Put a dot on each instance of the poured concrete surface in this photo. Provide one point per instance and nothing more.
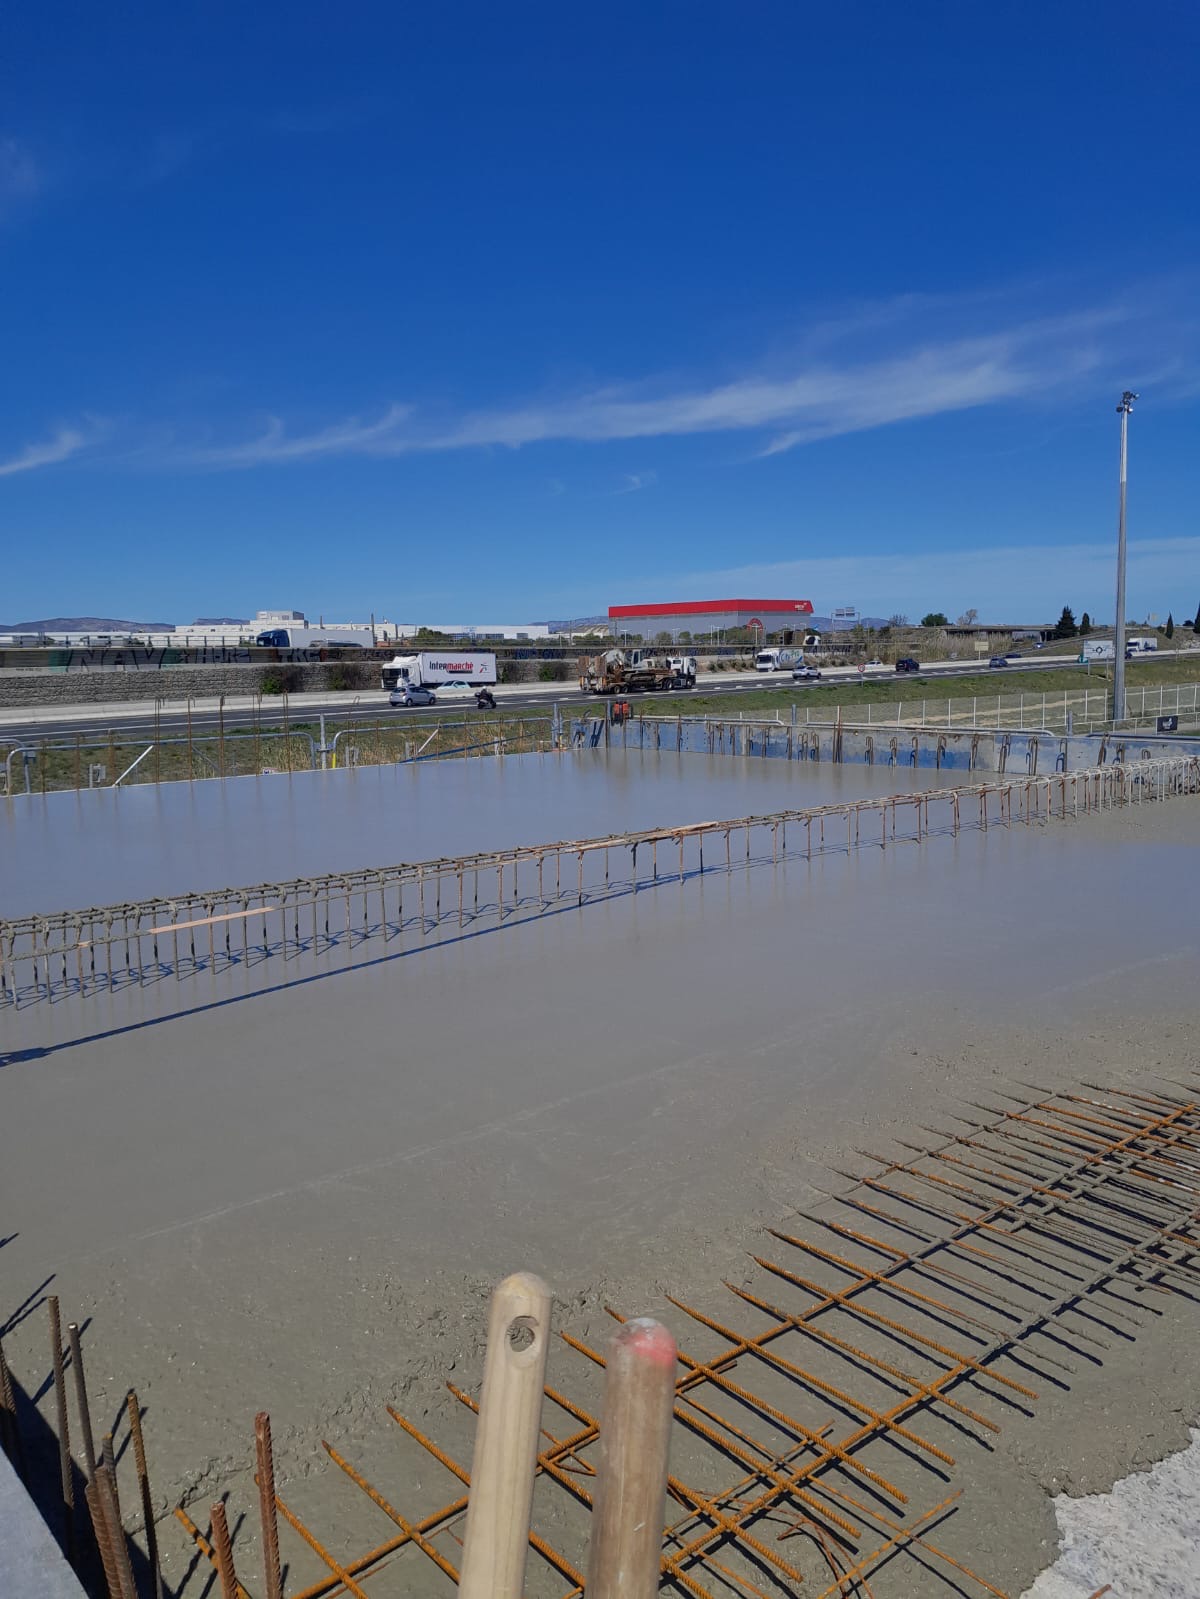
(65, 851)
(297, 1200)
(1142, 1538)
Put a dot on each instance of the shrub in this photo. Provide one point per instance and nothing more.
(552, 672)
(281, 680)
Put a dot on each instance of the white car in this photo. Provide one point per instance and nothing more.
(804, 674)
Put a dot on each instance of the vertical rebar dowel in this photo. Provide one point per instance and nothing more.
(506, 1440)
(108, 1457)
(266, 1502)
(64, 1431)
(223, 1550)
(625, 1554)
(143, 1477)
(81, 1399)
(10, 1432)
(106, 1481)
(104, 1538)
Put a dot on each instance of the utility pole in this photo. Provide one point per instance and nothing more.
(1123, 411)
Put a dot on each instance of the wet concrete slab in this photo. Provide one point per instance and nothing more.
(295, 1200)
(61, 851)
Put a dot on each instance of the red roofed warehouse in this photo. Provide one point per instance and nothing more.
(698, 617)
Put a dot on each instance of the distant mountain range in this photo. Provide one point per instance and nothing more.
(84, 624)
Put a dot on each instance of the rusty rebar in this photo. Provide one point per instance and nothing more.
(223, 1552)
(81, 1398)
(134, 1412)
(65, 1463)
(10, 1428)
(265, 1477)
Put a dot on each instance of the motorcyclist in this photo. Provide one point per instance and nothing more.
(485, 700)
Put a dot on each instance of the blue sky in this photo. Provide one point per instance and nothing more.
(527, 310)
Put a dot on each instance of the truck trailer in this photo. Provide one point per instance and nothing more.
(316, 638)
(776, 660)
(438, 668)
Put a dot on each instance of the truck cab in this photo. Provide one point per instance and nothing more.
(774, 660)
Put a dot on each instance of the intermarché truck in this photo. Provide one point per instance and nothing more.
(436, 668)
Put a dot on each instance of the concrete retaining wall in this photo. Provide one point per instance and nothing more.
(176, 684)
(974, 751)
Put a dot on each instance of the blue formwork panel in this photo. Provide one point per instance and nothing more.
(31, 1563)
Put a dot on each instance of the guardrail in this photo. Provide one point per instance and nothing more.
(110, 947)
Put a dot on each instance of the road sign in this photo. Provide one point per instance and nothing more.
(1168, 724)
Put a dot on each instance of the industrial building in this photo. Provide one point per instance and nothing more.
(710, 617)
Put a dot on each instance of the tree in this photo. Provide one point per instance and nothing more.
(899, 620)
(1169, 630)
(968, 617)
(1196, 623)
(1085, 624)
(1065, 627)
(934, 619)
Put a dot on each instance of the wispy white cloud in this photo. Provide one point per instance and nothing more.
(905, 361)
(820, 399)
(1005, 584)
(65, 443)
(633, 481)
(275, 445)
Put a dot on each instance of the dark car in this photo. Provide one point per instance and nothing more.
(997, 661)
(907, 664)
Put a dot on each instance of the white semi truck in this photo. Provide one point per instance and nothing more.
(438, 668)
(315, 638)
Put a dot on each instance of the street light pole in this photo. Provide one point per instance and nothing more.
(1123, 411)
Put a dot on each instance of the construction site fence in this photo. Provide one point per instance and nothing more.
(401, 908)
(293, 744)
(1057, 710)
(123, 760)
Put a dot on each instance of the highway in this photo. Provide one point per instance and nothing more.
(137, 719)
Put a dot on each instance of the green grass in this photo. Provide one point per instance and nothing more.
(829, 693)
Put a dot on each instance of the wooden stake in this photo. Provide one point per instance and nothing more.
(625, 1556)
(506, 1440)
